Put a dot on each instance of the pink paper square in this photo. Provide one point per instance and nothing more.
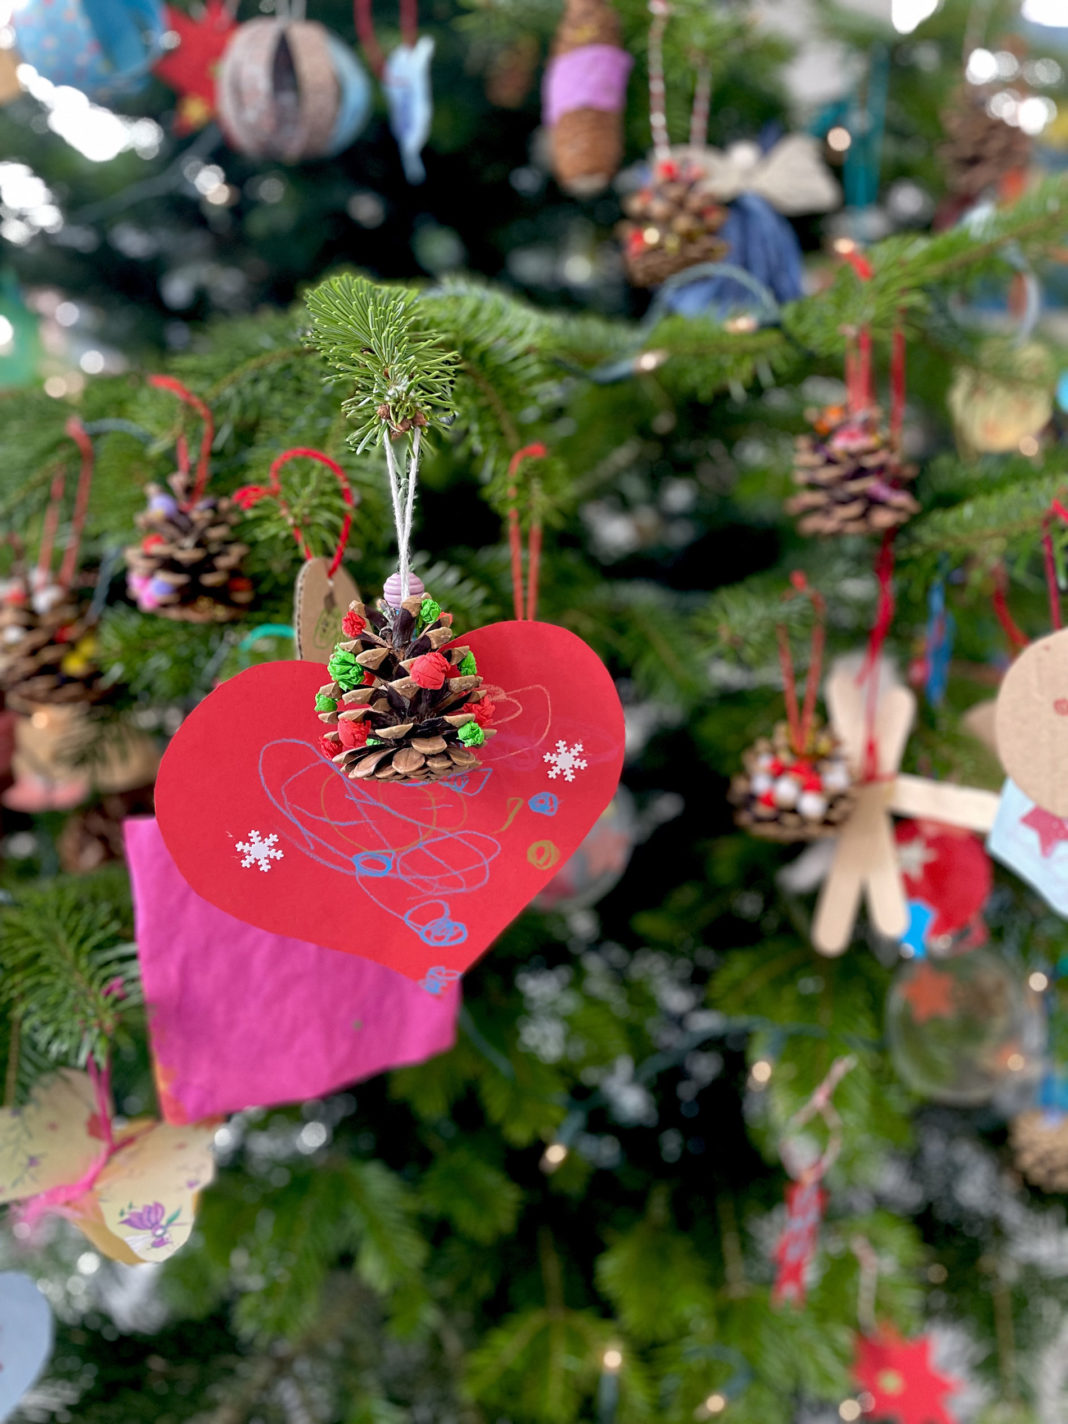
(242, 1018)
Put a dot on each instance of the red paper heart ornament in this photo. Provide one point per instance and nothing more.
(419, 876)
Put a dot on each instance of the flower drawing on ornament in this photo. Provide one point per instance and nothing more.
(260, 851)
(150, 1221)
(565, 761)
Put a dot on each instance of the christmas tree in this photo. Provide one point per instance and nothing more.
(685, 1158)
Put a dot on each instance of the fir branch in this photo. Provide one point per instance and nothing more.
(401, 378)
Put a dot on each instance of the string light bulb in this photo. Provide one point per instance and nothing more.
(839, 139)
(1038, 981)
(650, 360)
(761, 1072)
(715, 1404)
(553, 1157)
(849, 1409)
(612, 1359)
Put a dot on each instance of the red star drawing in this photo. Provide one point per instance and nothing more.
(930, 993)
(1050, 829)
(901, 1380)
(190, 67)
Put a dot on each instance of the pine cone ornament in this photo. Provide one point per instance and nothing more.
(188, 565)
(401, 709)
(671, 224)
(852, 479)
(1040, 1148)
(47, 647)
(583, 96)
(786, 795)
(980, 149)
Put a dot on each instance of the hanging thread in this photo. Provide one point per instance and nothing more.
(660, 11)
(207, 439)
(818, 1105)
(858, 363)
(363, 14)
(884, 617)
(249, 495)
(867, 1283)
(1058, 509)
(897, 386)
(799, 722)
(1000, 603)
(702, 103)
(402, 485)
(536, 451)
(77, 432)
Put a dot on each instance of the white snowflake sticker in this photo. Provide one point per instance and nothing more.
(566, 761)
(259, 851)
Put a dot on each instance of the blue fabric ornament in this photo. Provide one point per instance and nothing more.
(761, 242)
(102, 47)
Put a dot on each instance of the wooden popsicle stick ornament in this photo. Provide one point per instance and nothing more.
(865, 864)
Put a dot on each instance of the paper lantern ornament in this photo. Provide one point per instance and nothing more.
(416, 873)
(961, 1027)
(102, 47)
(242, 1018)
(583, 95)
(191, 65)
(290, 91)
(25, 1338)
(132, 1191)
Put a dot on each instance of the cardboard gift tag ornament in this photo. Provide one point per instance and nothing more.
(25, 1338)
(131, 1191)
(240, 1018)
(418, 875)
(1033, 843)
(865, 865)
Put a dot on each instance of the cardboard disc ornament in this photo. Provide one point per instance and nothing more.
(290, 91)
(1031, 722)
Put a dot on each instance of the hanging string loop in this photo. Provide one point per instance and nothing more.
(537, 451)
(207, 439)
(799, 720)
(249, 495)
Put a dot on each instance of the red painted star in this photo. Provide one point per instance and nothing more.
(929, 993)
(901, 1380)
(190, 67)
(1050, 829)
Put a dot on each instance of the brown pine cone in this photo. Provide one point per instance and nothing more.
(980, 148)
(852, 479)
(1040, 1147)
(784, 795)
(46, 647)
(188, 565)
(402, 709)
(671, 224)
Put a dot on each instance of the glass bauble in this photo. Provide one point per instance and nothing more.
(963, 1027)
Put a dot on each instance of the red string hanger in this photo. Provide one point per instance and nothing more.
(77, 432)
(799, 720)
(365, 32)
(250, 495)
(529, 452)
(207, 439)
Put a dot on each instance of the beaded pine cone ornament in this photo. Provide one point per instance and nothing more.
(1040, 1148)
(787, 795)
(981, 148)
(671, 224)
(853, 480)
(188, 565)
(400, 705)
(47, 646)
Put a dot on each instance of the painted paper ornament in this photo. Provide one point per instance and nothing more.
(406, 81)
(25, 1338)
(132, 1191)
(290, 91)
(102, 47)
(948, 870)
(1032, 722)
(419, 876)
(190, 67)
(583, 96)
(961, 1027)
(600, 861)
(241, 1018)
(901, 1379)
(1033, 843)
